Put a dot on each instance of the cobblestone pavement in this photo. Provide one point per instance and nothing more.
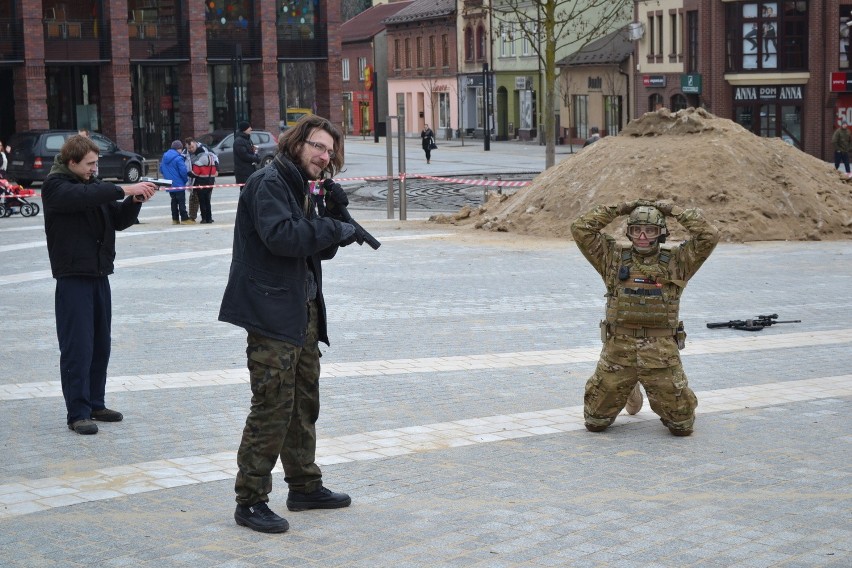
(452, 412)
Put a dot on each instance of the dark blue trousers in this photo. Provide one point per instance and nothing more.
(83, 323)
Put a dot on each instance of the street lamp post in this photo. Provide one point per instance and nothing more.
(486, 131)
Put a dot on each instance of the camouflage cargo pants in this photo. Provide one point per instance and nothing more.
(282, 420)
(193, 204)
(668, 393)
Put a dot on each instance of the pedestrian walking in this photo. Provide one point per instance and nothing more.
(842, 142)
(427, 140)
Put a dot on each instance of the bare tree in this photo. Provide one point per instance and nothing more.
(351, 8)
(553, 25)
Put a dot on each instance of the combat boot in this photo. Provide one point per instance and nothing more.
(322, 498)
(634, 401)
(259, 517)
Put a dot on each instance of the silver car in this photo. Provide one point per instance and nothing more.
(222, 143)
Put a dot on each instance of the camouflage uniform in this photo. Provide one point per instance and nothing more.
(284, 410)
(641, 323)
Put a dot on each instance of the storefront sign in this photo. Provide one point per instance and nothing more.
(522, 83)
(166, 103)
(654, 80)
(765, 93)
(841, 82)
(843, 111)
(440, 88)
(474, 80)
(690, 83)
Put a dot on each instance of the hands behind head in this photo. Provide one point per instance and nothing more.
(665, 207)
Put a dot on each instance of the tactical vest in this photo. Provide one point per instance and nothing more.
(642, 295)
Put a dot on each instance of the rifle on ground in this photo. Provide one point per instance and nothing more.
(756, 324)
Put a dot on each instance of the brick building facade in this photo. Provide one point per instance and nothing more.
(766, 65)
(145, 72)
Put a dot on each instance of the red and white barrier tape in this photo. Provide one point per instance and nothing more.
(402, 177)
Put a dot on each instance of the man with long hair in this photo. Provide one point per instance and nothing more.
(283, 230)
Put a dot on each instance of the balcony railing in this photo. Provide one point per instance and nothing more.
(222, 41)
(158, 41)
(77, 40)
(11, 41)
(313, 45)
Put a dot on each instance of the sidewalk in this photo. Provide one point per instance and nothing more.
(452, 410)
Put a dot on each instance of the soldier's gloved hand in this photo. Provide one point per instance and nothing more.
(664, 206)
(667, 208)
(334, 195)
(625, 208)
(347, 234)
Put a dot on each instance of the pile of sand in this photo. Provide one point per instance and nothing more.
(751, 188)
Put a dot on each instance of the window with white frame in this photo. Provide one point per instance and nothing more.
(362, 66)
(345, 65)
(444, 110)
(581, 115)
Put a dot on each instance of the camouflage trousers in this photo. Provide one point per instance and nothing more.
(193, 208)
(282, 420)
(668, 393)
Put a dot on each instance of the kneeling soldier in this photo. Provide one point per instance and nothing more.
(642, 332)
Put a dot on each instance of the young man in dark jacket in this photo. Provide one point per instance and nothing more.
(245, 156)
(81, 216)
(274, 292)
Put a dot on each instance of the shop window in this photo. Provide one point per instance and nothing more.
(655, 102)
(612, 114)
(679, 102)
(296, 19)
(771, 111)
(764, 36)
(581, 115)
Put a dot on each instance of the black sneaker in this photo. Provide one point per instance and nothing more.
(107, 415)
(85, 427)
(260, 518)
(322, 498)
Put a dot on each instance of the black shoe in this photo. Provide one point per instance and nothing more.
(84, 427)
(107, 415)
(260, 518)
(322, 498)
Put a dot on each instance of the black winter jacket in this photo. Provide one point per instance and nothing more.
(277, 235)
(244, 158)
(80, 219)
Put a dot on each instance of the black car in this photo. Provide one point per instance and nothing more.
(33, 152)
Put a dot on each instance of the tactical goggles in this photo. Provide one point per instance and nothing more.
(650, 231)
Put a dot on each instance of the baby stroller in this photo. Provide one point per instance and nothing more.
(13, 196)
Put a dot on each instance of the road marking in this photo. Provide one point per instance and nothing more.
(33, 495)
(145, 260)
(195, 379)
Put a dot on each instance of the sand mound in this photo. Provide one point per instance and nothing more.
(751, 188)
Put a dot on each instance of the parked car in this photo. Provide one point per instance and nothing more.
(222, 143)
(33, 152)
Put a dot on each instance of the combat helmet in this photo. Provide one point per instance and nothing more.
(648, 215)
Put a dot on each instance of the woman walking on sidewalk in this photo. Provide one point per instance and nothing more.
(427, 139)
